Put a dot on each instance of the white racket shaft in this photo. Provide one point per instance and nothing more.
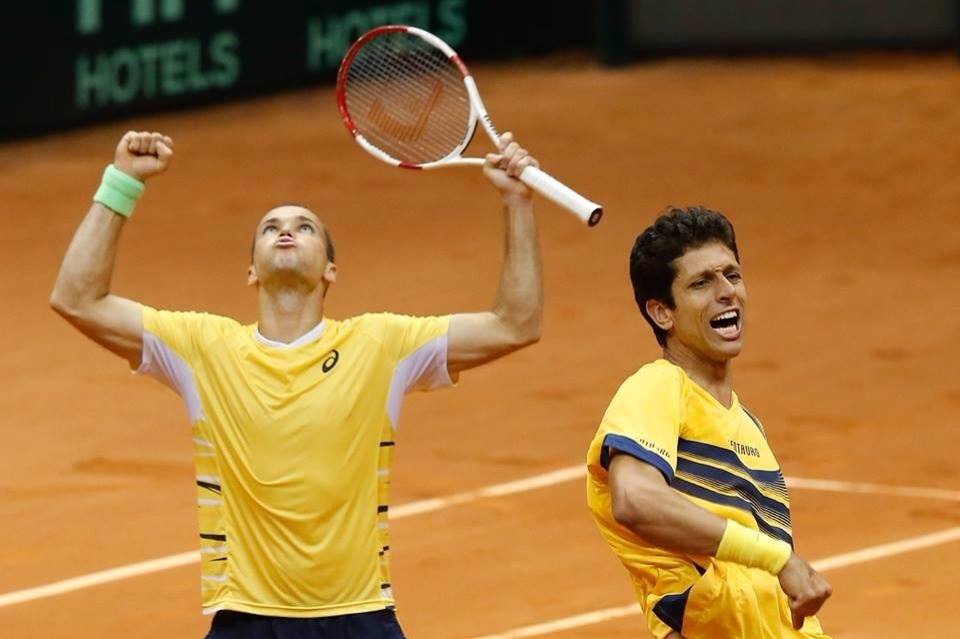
(561, 195)
(537, 179)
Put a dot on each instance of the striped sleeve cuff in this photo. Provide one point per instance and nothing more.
(627, 446)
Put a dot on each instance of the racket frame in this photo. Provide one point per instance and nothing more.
(587, 211)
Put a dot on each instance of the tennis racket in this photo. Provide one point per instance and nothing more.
(408, 99)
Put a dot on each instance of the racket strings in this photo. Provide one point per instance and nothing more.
(395, 94)
(430, 67)
(404, 116)
(407, 98)
(420, 139)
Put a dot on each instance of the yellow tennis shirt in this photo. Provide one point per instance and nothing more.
(717, 457)
(293, 446)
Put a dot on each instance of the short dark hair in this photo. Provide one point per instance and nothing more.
(328, 240)
(675, 231)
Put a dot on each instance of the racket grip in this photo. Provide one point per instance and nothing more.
(562, 195)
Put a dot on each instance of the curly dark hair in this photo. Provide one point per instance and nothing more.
(675, 231)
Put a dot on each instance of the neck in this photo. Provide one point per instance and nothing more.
(288, 313)
(715, 377)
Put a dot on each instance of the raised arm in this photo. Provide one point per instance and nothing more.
(81, 293)
(514, 319)
(642, 501)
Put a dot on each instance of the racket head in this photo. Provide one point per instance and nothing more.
(403, 95)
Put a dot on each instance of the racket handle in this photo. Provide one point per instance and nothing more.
(562, 195)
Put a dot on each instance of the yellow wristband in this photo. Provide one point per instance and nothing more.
(752, 548)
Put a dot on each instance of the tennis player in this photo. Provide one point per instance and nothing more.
(294, 418)
(681, 479)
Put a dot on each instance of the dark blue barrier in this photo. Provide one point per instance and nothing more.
(636, 28)
(81, 61)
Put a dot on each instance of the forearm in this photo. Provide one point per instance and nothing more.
(668, 520)
(513, 321)
(88, 264)
(519, 298)
(643, 502)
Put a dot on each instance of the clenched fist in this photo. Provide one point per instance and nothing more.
(142, 154)
(805, 589)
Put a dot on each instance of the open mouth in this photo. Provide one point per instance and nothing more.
(727, 324)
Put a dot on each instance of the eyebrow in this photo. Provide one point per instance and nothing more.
(302, 218)
(711, 272)
(702, 274)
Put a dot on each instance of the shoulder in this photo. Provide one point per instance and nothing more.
(368, 322)
(657, 387)
(649, 401)
(153, 317)
(659, 376)
(373, 326)
(753, 418)
(387, 325)
(185, 333)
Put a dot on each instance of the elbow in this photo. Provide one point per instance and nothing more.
(624, 513)
(528, 337)
(521, 339)
(628, 511)
(58, 304)
(516, 330)
(526, 333)
(63, 305)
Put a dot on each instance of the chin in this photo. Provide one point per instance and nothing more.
(722, 351)
(284, 261)
(286, 267)
(729, 350)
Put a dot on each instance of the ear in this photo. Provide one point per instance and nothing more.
(330, 274)
(252, 279)
(661, 315)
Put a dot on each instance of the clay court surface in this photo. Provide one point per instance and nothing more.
(842, 176)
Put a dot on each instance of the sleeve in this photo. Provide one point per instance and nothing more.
(169, 351)
(643, 420)
(419, 346)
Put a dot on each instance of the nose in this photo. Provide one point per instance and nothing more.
(725, 289)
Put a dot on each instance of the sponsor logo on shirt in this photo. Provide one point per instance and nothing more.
(743, 449)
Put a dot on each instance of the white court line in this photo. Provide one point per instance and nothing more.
(875, 489)
(566, 623)
(101, 577)
(887, 550)
(193, 556)
(424, 506)
(822, 565)
(497, 490)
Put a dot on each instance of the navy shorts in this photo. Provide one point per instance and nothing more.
(380, 624)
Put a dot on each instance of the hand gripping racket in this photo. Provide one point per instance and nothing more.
(408, 99)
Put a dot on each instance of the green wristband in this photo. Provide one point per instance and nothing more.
(118, 191)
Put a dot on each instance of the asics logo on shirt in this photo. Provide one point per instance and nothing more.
(331, 361)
